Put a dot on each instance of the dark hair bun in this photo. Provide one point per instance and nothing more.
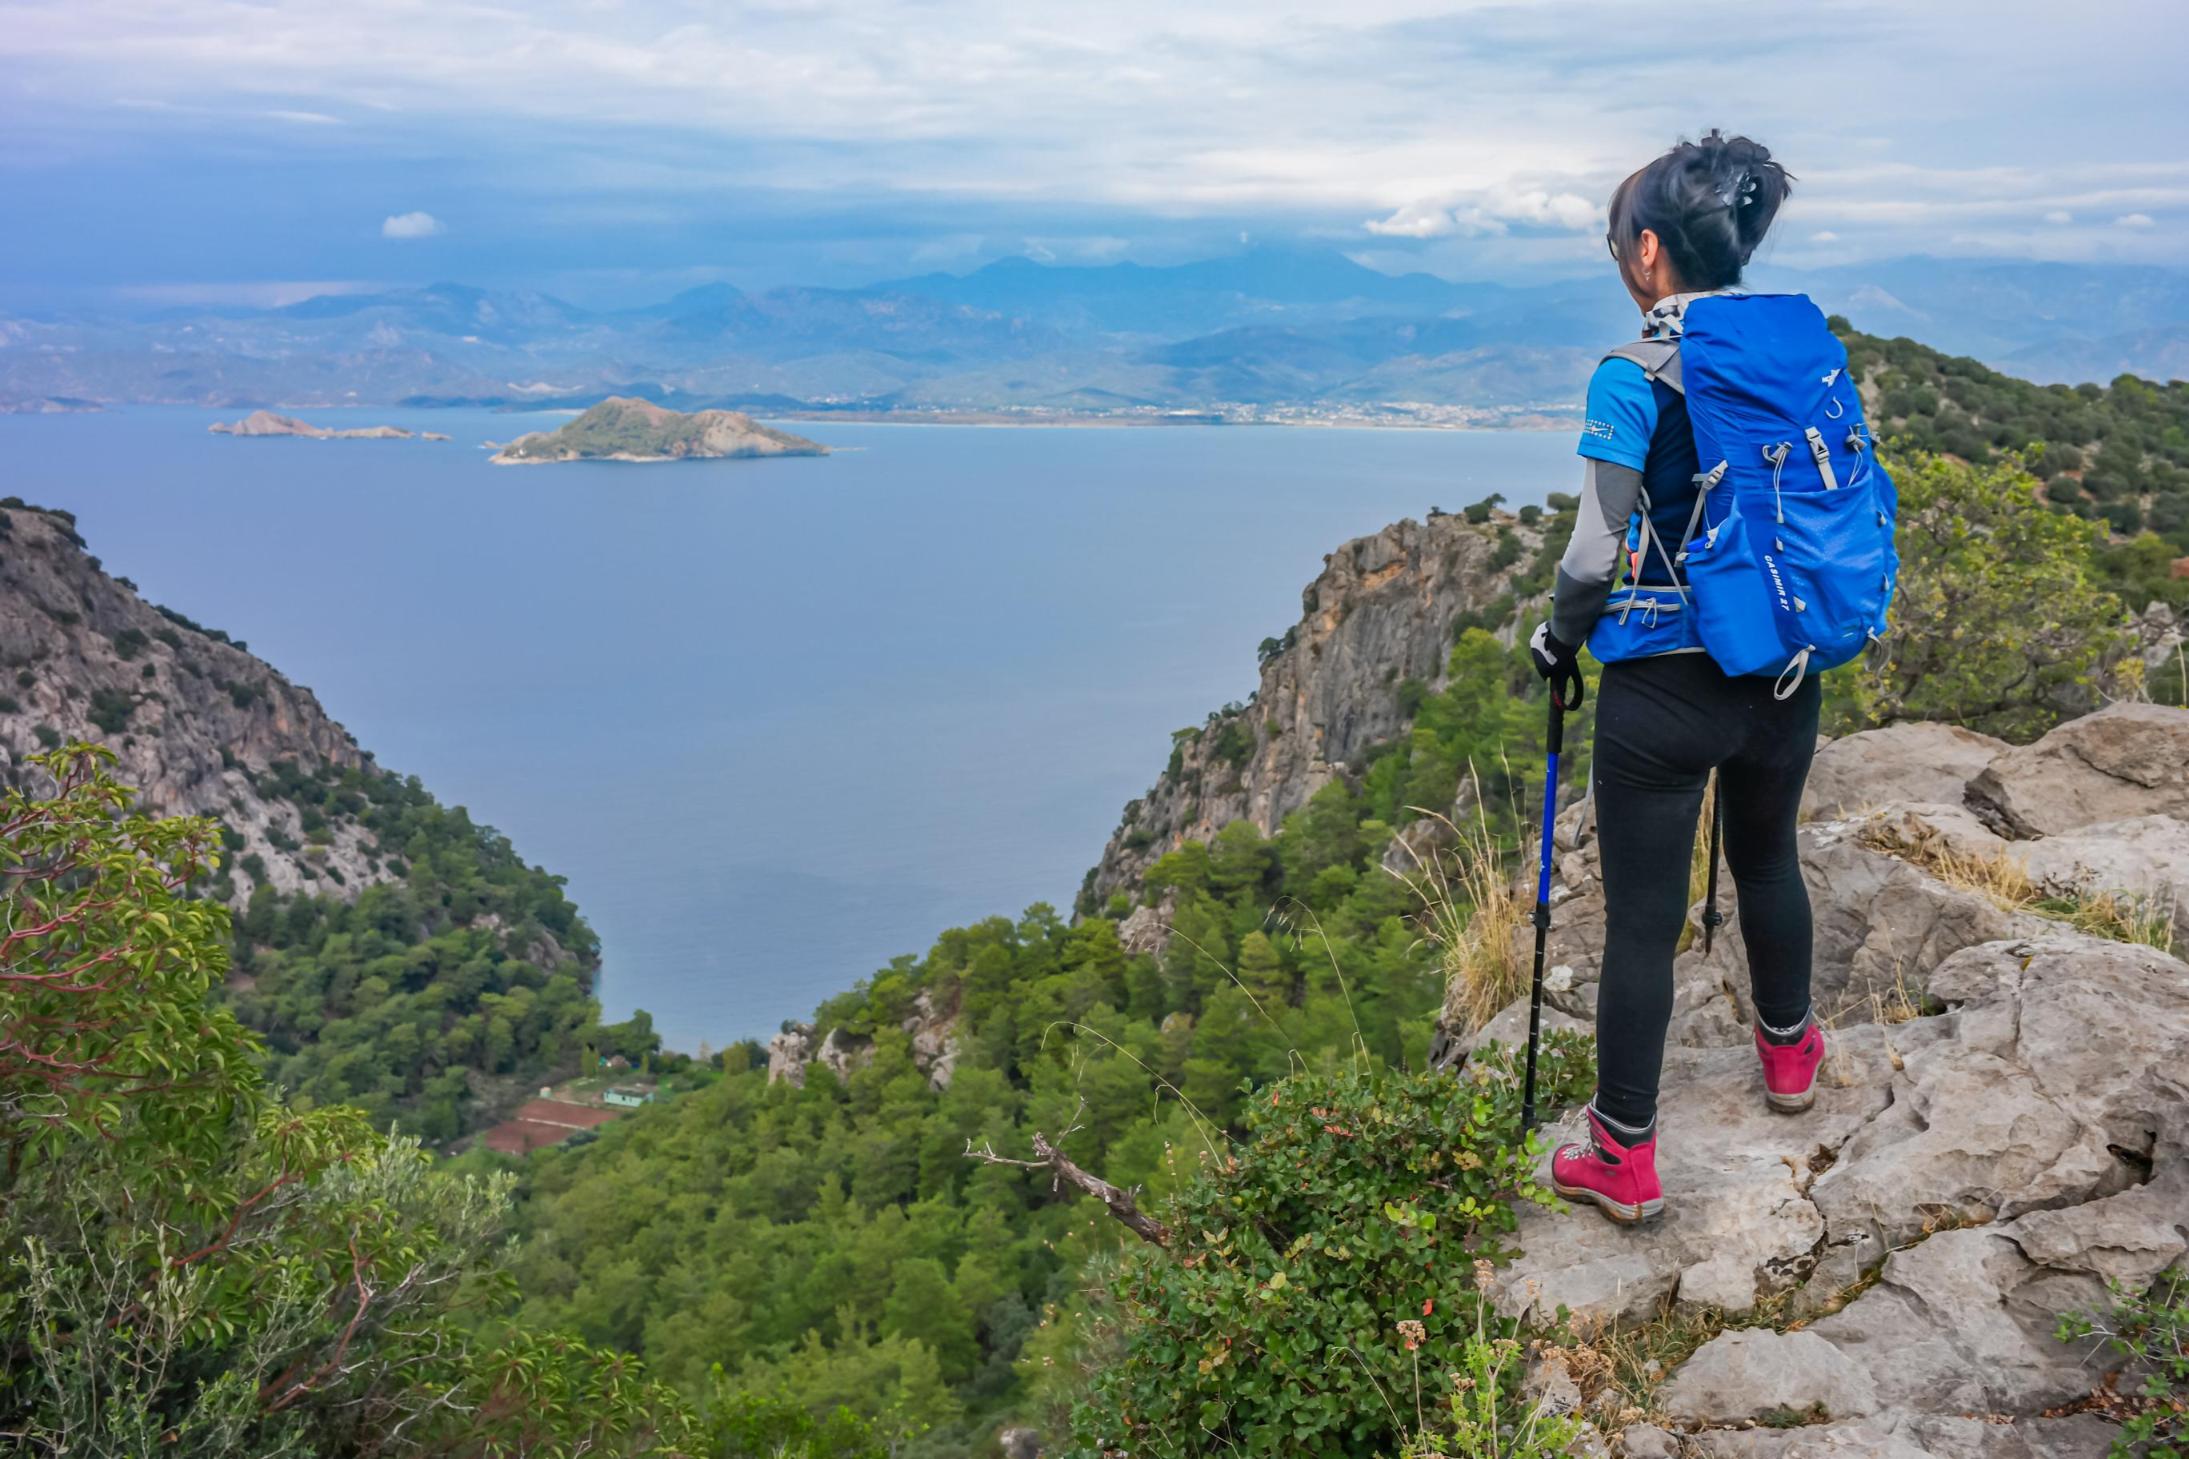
(1708, 202)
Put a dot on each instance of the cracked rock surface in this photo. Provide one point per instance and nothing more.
(2002, 1126)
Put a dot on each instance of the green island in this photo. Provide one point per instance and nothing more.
(623, 428)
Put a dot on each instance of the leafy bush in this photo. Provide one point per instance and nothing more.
(1997, 623)
(1359, 1201)
(2151, 1330)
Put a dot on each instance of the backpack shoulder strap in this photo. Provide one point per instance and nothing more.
(1659, 359)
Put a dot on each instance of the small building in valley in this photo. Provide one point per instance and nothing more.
(540, 1122)
(628, 1096)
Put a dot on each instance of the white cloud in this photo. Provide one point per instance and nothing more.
(2135, 220)
(410, 225)
(1416, 220)
(1824, 236)
(2059, 215)
(1490, 211)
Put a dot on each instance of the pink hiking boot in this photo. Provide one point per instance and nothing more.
(1621, 1179)
(1790, 1070)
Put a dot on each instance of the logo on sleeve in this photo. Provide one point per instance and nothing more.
(1603, 430)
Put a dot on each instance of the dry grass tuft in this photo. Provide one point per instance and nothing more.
(1620, 1366)
(1473, 905)
(1698, 866)
(2007, 882)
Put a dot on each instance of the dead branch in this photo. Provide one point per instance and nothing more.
(1063, 1172)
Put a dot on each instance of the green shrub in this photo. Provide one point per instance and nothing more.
(1998, 622)
(110, 710)
(2151, 1330)
(1359, 1200)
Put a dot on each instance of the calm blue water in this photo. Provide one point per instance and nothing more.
(776, 721)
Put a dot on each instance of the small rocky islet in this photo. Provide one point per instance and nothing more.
(269, 423)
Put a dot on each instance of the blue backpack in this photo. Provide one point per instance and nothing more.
(1787, 564)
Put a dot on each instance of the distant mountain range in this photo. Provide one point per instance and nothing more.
(1268, 331)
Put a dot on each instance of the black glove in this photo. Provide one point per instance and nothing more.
(1556, 660)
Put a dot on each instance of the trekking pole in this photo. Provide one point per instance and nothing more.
(1555, 741)
(1711, 918)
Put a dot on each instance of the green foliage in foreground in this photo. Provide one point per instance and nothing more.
(1999, 623)
(2151, 1330)
(189, 1266)
(410, 999)
(1318, 1266)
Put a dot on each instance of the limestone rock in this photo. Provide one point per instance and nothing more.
(2145, 857)
(788, 1054)
(1903, 762)
(194, 720)
(1756, 1373)
(1647, 1441)
(1963, 1323)
(934, 1036)
(2125, 760)
(2006, 1104)
(1588, 1442)
(2078, 1436)
(1146, 930)
(1824, 1441)
(1548, 1388)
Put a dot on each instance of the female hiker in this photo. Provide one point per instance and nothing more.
(1669, 710)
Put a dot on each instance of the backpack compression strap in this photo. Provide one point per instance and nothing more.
(1659, 359)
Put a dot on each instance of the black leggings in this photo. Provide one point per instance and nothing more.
(1662, 724)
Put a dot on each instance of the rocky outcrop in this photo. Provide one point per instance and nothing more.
(1905, 762)
(931, 1035)
(2001, 1129)
(1376, 628)
(2125, 760)
(196, 723)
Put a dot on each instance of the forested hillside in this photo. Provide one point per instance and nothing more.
(397, 956)
(2115, 453)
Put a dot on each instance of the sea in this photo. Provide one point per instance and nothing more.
(777, 722)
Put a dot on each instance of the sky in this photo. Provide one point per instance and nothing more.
(612, 151)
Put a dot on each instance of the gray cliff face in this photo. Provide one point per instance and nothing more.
(1380, 614)
(191, 720)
